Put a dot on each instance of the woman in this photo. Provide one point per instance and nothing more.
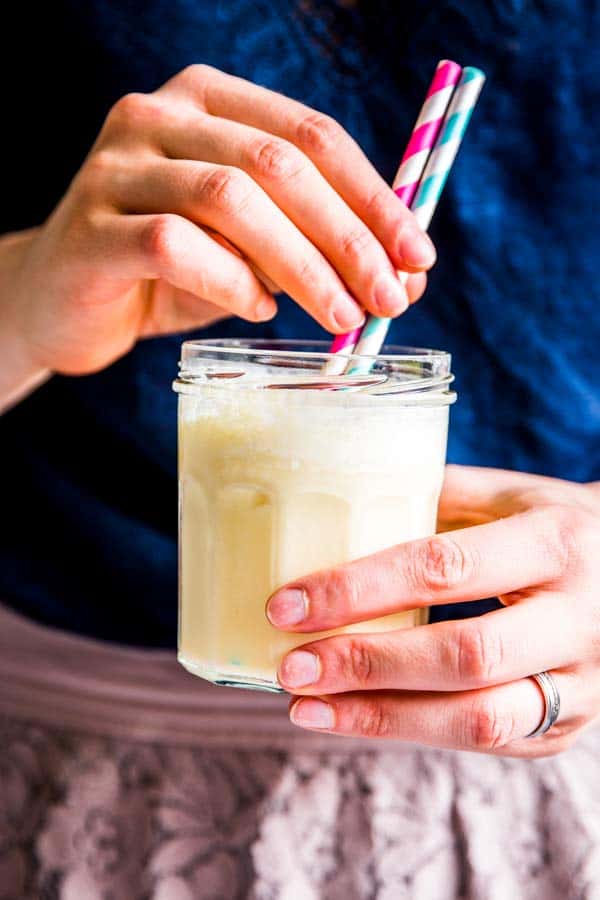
(122, 776)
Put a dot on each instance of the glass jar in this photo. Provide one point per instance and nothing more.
(283, 471)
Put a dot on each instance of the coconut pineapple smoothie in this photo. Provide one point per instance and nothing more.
(276, 483)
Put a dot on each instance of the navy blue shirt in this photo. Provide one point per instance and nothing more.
(88, 474)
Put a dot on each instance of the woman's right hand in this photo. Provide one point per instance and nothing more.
(187, 194)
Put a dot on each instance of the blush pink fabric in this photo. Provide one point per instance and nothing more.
(123, 777)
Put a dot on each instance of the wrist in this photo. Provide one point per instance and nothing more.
(20, 372)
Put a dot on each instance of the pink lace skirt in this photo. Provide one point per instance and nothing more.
(123, 777)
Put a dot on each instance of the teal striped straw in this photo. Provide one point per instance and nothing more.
(426, 199)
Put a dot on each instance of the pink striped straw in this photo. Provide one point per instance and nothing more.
(338, 345)
(426, 130)
(405, 184)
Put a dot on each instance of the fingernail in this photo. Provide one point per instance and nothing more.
(346, 313)
(390, 295)
(416, 248)
(287, 607)
(299, 668)
(265, 310)
(309, 713)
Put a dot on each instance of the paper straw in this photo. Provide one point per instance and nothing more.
(341, 348)
(427, 196)
(444, 153)
(422, 139)
(426, 130)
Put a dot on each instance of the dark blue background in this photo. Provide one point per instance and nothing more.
(88, 470)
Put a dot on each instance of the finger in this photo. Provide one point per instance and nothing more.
(492, 720)
(270, 285)
(458, 566)
(171, 310)
(415, 286)
(337, 156)
(172, 248)
(478, 492)
(474, 495)
(231, 203)
(499, 647)
(298, 188)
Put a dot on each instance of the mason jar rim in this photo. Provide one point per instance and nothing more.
(280, 347)
(412, 372)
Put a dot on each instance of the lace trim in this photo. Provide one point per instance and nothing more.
(90, 818)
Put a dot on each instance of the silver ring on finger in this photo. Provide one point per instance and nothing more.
(551, 700)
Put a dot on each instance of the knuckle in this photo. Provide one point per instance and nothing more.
(129, 110)
(357, 663)
(478, 654)
(196, 72)
(489, 730)
(226, 189)
(440, 563)
(274, 159)
(196, 77)
(235, 288)
(100, 164)
(378, 202)
(570, 538)
(310, 272)
(318, 134)
(355, 243)
(96, 175)
(374, 720)
(159, 242)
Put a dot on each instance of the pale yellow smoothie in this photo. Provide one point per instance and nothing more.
(277, 484)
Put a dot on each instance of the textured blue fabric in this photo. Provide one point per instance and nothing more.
(88, 464)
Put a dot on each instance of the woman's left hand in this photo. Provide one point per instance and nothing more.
(533, 542)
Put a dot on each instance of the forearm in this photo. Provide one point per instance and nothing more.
(19, 372)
